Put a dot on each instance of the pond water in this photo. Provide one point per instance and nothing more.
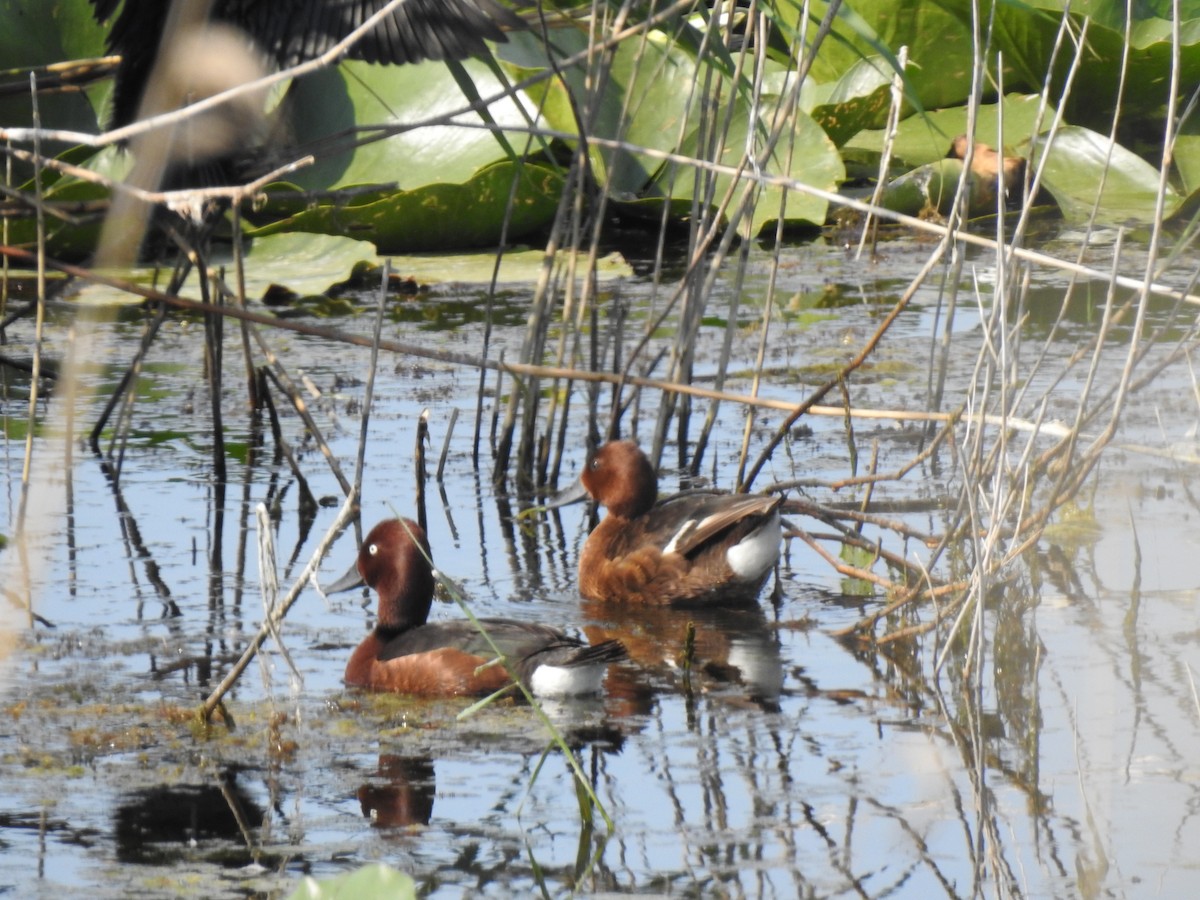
(789, 764)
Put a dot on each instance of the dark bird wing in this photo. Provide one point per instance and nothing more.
(695, 518)
(292, 31)
(296, 30)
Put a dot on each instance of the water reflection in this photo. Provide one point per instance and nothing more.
(173, 822)
(686, 649)
(401, 793)
(784, 764)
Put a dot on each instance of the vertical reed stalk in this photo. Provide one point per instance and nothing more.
(36, 373)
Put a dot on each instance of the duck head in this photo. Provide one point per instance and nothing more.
(619, 476)
(395, 561)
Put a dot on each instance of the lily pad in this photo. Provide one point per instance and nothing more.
(326, 107)
(372, 880)
(41, 33)
(439, 216)
(648, 99)
(926, 137)
(652, 98)
(932, 188)
(1084, 169)
(858, 100)
(937, 35)
(805, 153)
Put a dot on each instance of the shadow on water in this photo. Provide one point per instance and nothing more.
(170, 823)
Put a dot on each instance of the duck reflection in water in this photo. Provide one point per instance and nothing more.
(730, 648)
(404, 795)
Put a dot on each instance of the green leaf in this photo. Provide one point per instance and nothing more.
(933, 187)
(374, 881)
(435, 216)
(1084, 169)
(41, 32)
(858, 100)
(1187, 156)
(72, 235)
(327, 105)
(647, 100)
(938, 37)
(926, 137)
(804, 153)
(928, 187)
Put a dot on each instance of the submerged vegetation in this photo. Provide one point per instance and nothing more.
(686, 144)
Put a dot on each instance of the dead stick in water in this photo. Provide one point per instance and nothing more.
(446, 443)
(419, 461)
(280, 376)
(360, 460)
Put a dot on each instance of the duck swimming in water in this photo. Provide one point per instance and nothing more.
(406, 654)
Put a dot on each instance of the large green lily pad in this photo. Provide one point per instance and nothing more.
(439, 216)
(1085, 169)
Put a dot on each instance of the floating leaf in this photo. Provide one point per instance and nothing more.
(39, 33)
(858, 100)
(326, 106)
(804, 153)
(374, 880)
(926, 137)
(1084, 169)
(438, 216)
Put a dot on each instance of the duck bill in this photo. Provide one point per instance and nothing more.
(567, 496)
(347, 582)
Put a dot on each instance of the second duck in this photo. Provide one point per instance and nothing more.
(700, 548)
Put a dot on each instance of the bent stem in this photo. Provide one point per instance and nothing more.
(555, 737)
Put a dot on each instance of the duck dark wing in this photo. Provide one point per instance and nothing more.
(517, 640)
(296, 30)
(687, 522)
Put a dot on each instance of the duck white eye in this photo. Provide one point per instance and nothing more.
(373, 549)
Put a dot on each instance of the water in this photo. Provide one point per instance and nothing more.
(789, 764)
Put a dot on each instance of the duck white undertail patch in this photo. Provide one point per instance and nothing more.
(757, 553)
(560, 681)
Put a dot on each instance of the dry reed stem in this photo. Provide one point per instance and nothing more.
(281, 443)
(420, 472)
(269, 585)
(360, 459)
(983, 461)
(845, 371)
(144, 126)
(924, 226)
(279, 374)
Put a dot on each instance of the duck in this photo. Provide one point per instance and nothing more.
(696, 548)
(1006, 173)
(406, 654)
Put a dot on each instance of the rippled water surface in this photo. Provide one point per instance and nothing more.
(788, 764)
